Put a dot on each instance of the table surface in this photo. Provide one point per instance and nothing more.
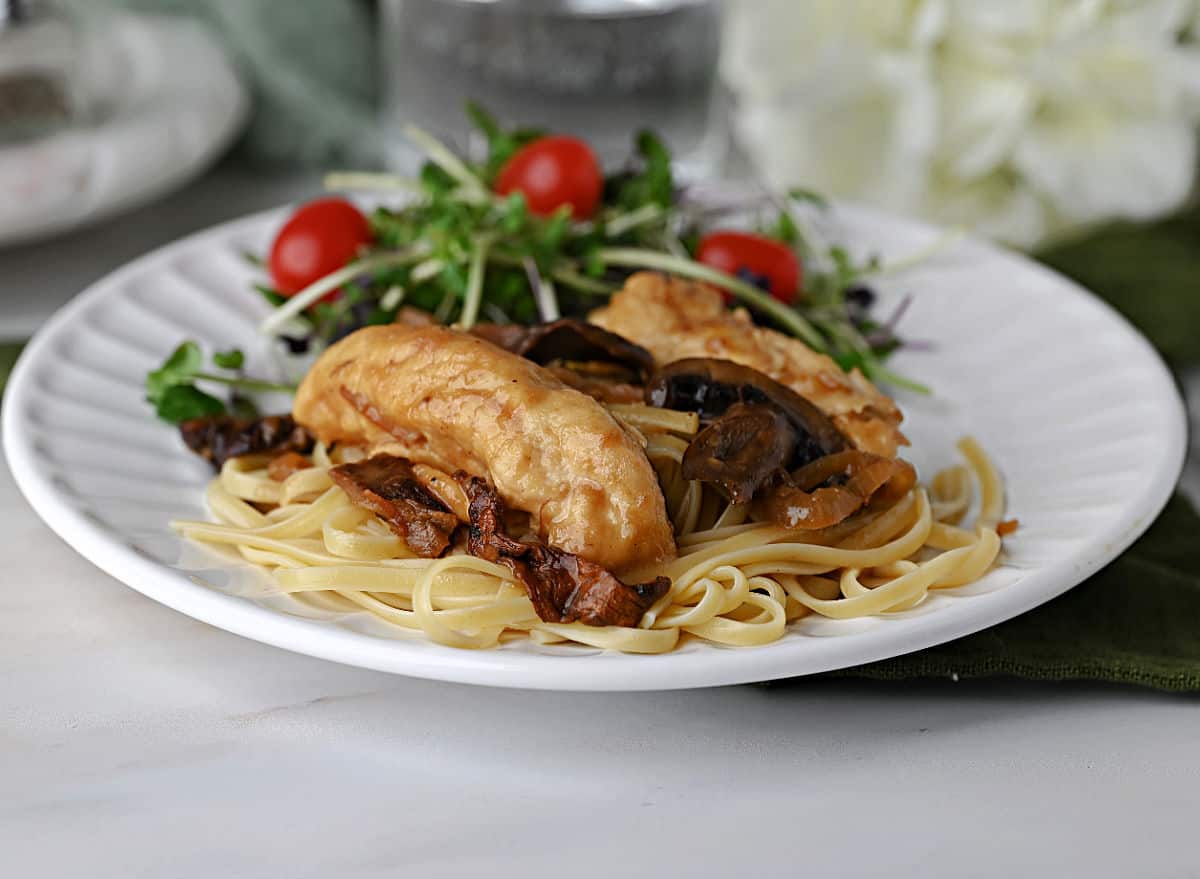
(135, 741)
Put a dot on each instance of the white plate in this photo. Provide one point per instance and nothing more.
(1078, 410)
(177, 106)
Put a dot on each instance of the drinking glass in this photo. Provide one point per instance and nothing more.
(598, 69)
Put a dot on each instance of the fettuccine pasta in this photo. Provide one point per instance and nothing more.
(735, 582)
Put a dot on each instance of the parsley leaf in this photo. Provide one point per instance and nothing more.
(651, 182)
(169, 388)
(180, 368)
(784, 229)
(273, 296)
(798, 193)
(483, 120)
(183, 402)
(172, 390)
(501, 144)
(231, 359)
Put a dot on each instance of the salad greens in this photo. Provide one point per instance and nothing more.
(461, 252)
(529, 268)
(172, 390)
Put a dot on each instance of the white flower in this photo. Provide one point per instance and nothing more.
(840, 96)
(1024, 119)
(994, 206)
(868, 126)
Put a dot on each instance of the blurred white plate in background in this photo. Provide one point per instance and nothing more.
(178, 106)
(1081, 415)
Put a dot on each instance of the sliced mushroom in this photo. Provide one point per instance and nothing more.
(710, 387)
(217, 438)
(506, 336)
(388, 487)
(563, 587)
(568, 340)
(757, 428)
(602, 388)
(832, 489)
(742, 450)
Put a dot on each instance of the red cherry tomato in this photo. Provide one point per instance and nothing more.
(321, 237)
(734, 252)
(554, 171)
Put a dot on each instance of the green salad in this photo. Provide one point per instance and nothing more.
(528, 230)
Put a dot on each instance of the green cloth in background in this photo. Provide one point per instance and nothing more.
(1148, 272)
(9, 352)
(310, 67)
(1136, 622)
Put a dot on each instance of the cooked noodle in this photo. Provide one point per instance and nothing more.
(734, 582)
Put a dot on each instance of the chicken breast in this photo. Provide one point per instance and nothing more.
(674, 318)
(456, 402)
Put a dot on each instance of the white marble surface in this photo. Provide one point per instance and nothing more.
(137, 742)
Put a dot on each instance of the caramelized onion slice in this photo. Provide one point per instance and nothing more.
(833, 488)
(285, 464)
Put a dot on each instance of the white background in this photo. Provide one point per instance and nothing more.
(135, 741)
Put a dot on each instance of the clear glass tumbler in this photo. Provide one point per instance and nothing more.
(598, 69)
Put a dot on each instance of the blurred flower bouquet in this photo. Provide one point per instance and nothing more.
(1023, 120)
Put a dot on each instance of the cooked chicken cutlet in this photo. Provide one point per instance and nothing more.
(456, 402)
(674, 319)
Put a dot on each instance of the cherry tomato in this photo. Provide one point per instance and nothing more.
(321, 237)
(554, 171)
(735, 252)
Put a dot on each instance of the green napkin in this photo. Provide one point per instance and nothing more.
(310, 68)
(1138, 620)
(1150, 273)
(9, 351)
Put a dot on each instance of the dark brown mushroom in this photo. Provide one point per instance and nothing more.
(741, 450)
(710, 387)
(568, 340)
(756, 428)
(217, 438)
(603, 388)
(506, 336)
(387, 486)
(563, 587)
(833, 488)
